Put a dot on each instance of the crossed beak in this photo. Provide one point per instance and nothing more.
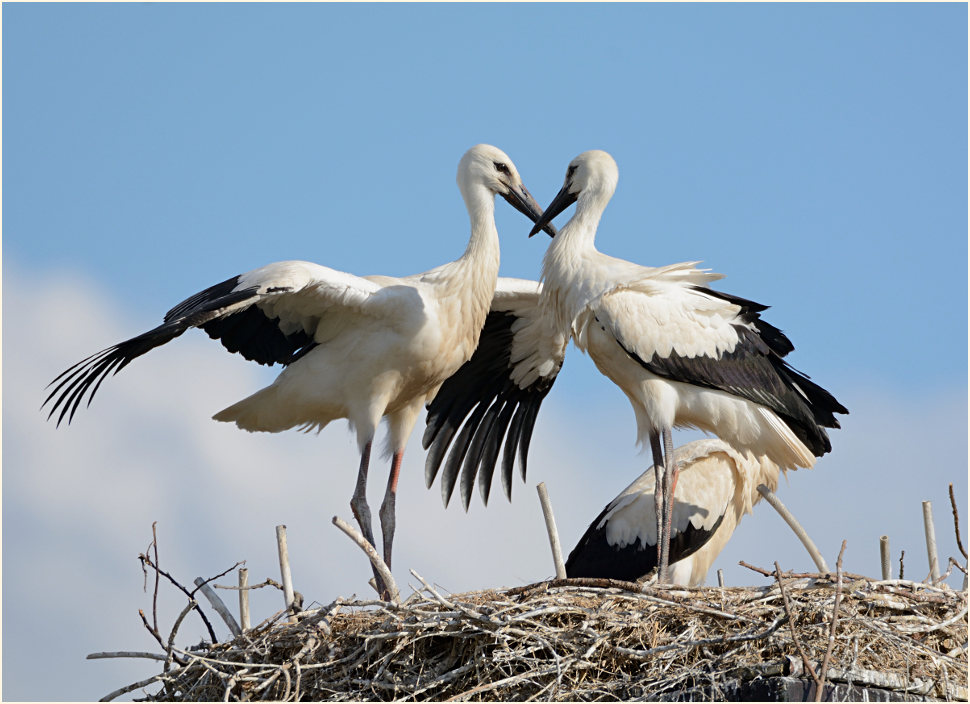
(562, 201)
(520, 199)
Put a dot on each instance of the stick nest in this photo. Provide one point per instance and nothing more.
(589, 640)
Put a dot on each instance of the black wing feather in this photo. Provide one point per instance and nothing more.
(490, 453)
(503, 410)
(755, 370)
(594, 556)
(247, 331)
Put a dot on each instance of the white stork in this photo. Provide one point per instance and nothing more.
(685, 355)
(359, 348)
(717, 485)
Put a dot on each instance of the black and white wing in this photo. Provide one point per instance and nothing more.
(268, 315)
(716, 340)
(621, 542)
(494, 396)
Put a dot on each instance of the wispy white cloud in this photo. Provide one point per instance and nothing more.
(79, 501)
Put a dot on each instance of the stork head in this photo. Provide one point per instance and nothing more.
(488, 166)
(590, 178)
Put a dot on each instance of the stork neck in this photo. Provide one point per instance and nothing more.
(483, 242)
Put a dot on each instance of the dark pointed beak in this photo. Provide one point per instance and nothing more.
(562, 201)
(520, 199)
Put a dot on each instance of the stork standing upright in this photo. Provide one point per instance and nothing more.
(717, 485)
(359, 348)
(683, 354)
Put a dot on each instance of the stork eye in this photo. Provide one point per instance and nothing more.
(501, 167)
(570, 171)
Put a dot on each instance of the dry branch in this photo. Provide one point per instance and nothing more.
(793, 523)
(219, 605)
(835, 620)
(551, 529)
(372, 555)
(930, 531)
(956, 523)
(791, 624)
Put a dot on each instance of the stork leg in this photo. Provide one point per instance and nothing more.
(670, 481)
(387, 507)
(358, 504)
(658, 492)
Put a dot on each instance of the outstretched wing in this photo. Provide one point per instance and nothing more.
(495, 395)
(268, 315)
(719, 341)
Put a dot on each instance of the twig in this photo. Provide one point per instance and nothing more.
(954, 563)
(835, 617)
(244, 599)
(125, 654)
(791, 624)
(155, 593)
(956, 524)
(594, 582)
(766, 573)
(219, 605)
(884, 555)
(124, 690)
(931, 540)
(171, 637)
(372, 555)
(285, 568)
(155, 634)
(795, 526)
(190, 594)
(902, 554)
(552, 530)
(720, 578)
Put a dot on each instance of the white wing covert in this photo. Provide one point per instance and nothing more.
(712, 339)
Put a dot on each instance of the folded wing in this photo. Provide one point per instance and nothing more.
(712, 339)
(621, 542)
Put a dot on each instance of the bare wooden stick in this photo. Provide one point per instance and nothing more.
(902, 554)
(551, 529)
(372, 555)
(131, 687)
(170, 648)
(285, 568)
(835, 616)
(791, 624)
(720, 578)
(125, 654)
(930, 540)
(244, 621)
(795, 526)
(956, 523)
(219, 605)
(884, 555)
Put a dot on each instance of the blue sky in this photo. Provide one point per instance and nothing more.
(815, 154)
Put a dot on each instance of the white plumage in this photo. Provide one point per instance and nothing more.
(360, 348)
(716, 486)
